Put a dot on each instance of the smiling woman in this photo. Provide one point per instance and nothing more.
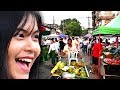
(19, 44)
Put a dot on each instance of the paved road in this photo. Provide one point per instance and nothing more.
(45, 67)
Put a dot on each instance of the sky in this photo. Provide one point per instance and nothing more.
(81, 16)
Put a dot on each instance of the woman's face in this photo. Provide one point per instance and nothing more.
(23, 50)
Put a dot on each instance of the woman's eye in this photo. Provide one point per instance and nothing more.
(36, 37)
(20, 35)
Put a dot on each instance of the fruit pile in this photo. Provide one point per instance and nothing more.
(111, 55)
(75, 71)
(112, 61)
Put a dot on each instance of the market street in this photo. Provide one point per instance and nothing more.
(45, 67)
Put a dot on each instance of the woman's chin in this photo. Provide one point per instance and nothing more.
(21, 76)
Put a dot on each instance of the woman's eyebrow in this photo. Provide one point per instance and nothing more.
(21, 29)
(37, 31)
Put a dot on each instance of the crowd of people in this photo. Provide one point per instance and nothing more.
(89, 46)
(61, 47)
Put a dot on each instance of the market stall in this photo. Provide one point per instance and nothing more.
(76, 70)
(109, 60)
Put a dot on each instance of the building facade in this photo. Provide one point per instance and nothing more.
(100, 18)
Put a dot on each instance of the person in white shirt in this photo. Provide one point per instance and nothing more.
(85, 43)
(78, 44)
(53, 51)
(57, 44)
(75, 43)
(65, 40)
(69, 48)
(89, 47)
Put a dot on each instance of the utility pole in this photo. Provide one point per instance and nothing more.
(94, 19)
(54, 24)
(63, 27)
(53, 21)
(88, 21)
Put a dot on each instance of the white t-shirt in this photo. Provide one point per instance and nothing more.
(85, 42)
(89, 45)
(53, 46)
(65, 41)
(68, 49)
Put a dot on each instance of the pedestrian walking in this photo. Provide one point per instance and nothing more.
(96, 52)
(53, 52)
(89, 47)
(62, 44)
(85, 44)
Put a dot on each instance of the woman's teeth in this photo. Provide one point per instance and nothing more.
(26, 60)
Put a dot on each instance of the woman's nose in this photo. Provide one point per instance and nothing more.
(30, 45)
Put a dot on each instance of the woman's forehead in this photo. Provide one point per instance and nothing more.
(28, 23)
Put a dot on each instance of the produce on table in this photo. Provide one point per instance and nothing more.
(56, 67)
(111, 55)
(82, 72)
(76, 71)
(61, 65)
(70, 70)
(73, 63)
(112, 61)
(67, 75)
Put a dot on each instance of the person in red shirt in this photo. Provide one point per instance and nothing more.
(96, 52)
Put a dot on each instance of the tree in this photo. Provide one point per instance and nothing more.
(84, 32)
(71, 26)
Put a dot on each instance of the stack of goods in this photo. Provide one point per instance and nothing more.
(76, 70)
(111, 56)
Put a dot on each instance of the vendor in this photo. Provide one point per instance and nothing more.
(107, 44)
(70, 47)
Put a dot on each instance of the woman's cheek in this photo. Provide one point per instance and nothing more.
(15, 45)
(38, 49)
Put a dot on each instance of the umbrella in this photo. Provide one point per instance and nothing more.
(88, 35)
(53, 36)
(62, 35)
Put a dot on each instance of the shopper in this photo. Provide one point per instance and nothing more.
(96, 52)
(53, 52)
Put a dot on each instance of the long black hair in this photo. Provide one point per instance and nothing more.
(9, 21)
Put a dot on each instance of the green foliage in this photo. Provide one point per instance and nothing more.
(71, 27)
(84, 32)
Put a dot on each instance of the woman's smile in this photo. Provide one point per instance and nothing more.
(25, 63)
